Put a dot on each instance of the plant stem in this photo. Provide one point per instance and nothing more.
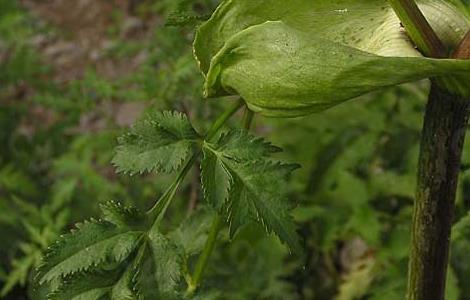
(205, 255)
(442, 141)
(223, 118)
(157, 211)
(424, 37)
(463, 50)
(248, 118)
(439, 163)
(418, 28)
(214, 231)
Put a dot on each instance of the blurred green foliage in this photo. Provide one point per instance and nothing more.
(353, 194)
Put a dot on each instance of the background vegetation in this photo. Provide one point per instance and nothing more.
(75, 74)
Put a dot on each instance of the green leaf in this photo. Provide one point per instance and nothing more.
(296, 58)
(86, 286)
(116, 258)
(94, 243)
(122, 216)
(161, 269)
(161, 143)
(242, 146)
(236, 145)
(192, 233)
(116, 284)
(216, 180)
(154, 272)
(238, 175)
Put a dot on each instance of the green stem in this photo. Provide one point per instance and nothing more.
(214, 231)
(205, 255)
(223, 118)
(157, 211)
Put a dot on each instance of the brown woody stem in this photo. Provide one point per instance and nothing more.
(442, 141)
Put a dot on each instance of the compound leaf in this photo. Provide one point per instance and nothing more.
(95, 243)
(215, 179)
(116, 258)
(115, 284)
(192, 233)
(256, 194)
(122, 216)
(238, 175)
(242, 146)
(237, 145)
(160, 272)
(152, 272)
(161, 143)
(86, 286)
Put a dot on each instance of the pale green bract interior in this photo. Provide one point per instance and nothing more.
(293, 58)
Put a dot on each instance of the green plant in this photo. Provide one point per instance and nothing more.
(129, 252)
(119, 255)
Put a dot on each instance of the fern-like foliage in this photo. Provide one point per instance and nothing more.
(41, 225)
(116, 258)
(93, 244)
(94, 286)
(124, 216)
(238, 146)
(238, 175)
(161, 269)
(21, 267)
(160, 143)
(192, 233)
(125, 256)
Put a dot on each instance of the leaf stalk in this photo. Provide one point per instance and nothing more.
(209, 246)
(158, 210)
(205, 255)
(418, 28)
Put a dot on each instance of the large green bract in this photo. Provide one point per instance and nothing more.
(292, 58)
